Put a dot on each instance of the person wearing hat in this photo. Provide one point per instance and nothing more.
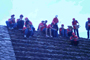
(63, 31)
(74, 39)
(75, 26)
(87, 26)
(20, 22)
(11, 22)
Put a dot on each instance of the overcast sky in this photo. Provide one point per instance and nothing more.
(38, 10)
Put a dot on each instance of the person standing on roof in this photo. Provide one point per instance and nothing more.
(55, 20)
(20, 22)
(11, 22)
(75, 26)
(74, 40)
(87, 26)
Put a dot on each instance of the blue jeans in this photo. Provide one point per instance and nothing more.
(14, 25)
(54, 33)
(20, 24)
(28, 33)
(64, 33)
(76, 31)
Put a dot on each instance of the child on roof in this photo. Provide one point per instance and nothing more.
(28, 31)
(62, 31)
(20, 22)
(74, 39)
(27, 21)
(43, 27)
(11, 22)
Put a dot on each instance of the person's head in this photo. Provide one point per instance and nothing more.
(45, 21)
(56, 16)
(21, 16)
(26, 19)
(12, 16)
(73, 34)
(88, 19)
(73, 19)
(62, 25)
(42, 21)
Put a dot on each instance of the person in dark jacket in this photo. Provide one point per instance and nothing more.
(11, 22)
(20, 22)
(87, 26)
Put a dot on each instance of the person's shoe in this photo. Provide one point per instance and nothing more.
(24, 36)
(47, 36)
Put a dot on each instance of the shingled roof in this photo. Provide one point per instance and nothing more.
(39, 47)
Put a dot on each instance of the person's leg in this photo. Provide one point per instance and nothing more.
(22, 24)
(8, 24)
(15, 25)
(66, 35)
(26, 32)
(77, 33)
(62, 32)
(30, 33)
(50, 31)
(88, 33)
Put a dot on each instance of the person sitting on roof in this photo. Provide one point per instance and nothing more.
(20, 23)
(27, 21)
(11, 22)
(62, 31)
(75, 26)
(38, 29)
(28, 31)
(74, 39)
(43, 27)
(69, 31)
(50, 29)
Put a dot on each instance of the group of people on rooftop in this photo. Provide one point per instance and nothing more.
(50, 30)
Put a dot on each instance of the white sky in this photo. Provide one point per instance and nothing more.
(38, 10)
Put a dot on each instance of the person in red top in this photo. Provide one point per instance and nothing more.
(43, 27)
(62, 31)
(27, 21)
(55, 20)
(20, 22)
(69, 31)
(74, 23)
(50, 29)
(28, 31)
(11, 22)
(74, 39)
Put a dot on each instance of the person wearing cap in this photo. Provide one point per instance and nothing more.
(87, 26)
(63, 31)
(11, 22)
(69, 31)
(28, 31)
(75, 26)
(43, 27)
(55, 20)
(20, 22)
(74, 39)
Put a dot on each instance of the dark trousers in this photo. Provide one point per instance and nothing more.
(88, 32)
(20, 24)
(76, 31)
(28, 33)
(75, 43)
(69, 34)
